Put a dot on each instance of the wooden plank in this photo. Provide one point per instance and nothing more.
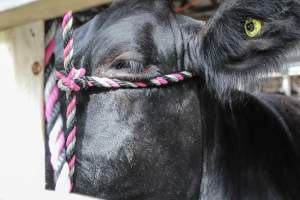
(21, 106)
(41, 10)
(287, 85)
(8, 4)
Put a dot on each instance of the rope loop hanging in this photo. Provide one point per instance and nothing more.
(66, 82)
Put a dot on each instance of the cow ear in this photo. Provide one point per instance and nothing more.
(245, 40)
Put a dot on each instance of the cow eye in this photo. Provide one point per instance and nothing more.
(253, 27)
(131, 65)
(119, 64)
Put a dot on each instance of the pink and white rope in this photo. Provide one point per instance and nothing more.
(53, 118)
(70, 124)
(85, 82)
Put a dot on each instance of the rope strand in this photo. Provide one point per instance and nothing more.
(70, 125)
(86, 82)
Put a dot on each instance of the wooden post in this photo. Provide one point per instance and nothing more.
(21, 106)
(286, 85)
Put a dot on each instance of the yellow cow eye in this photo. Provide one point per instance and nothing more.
(253, 27)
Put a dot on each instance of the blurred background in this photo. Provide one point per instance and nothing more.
(287, 83)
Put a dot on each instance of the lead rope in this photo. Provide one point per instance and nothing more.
(53, 118)
(61, 143)
(71, 80)
(70, 73)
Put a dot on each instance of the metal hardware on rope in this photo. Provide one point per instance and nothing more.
(62, 143)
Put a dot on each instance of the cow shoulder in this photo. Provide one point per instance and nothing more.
(268, 131)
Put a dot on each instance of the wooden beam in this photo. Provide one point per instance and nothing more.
(16, 13)
(21, 106)
(8, 4)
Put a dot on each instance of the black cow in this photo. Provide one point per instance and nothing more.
(204, 138)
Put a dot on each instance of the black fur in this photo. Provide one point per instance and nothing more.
(180, 142)
(231, 60)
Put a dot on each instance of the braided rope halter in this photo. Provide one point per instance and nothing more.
(72, 80)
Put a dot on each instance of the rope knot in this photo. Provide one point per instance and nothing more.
(68, 83)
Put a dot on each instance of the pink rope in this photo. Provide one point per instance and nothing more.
(59, 149)
(51, 102)
(49, 51)
(178, 76)
(72, 162)
(68, 81)
(71, 136)
(162, 80)
(141, 85)
(71, 106)
(112, 83)
(67, 18)
(68, 48)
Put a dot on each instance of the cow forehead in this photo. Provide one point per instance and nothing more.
(126, 31)
(142, 32)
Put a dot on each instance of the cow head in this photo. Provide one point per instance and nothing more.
(244, 39)
(134, 144)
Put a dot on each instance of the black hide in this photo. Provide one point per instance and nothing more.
(229, 59)
(191, 141)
